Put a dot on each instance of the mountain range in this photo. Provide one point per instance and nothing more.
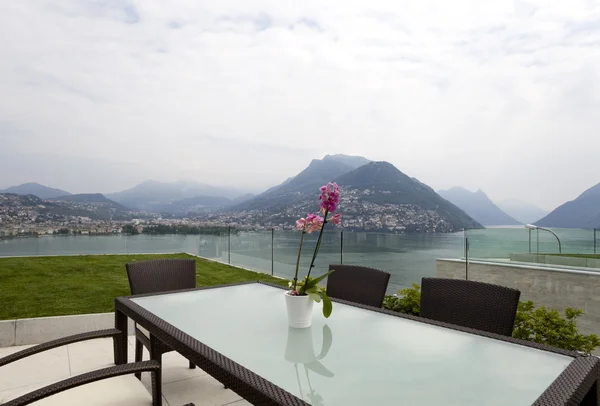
(95, 206)
(583, 212)
(375, 195)
(479, 206)
(153, 196)
(400, 202)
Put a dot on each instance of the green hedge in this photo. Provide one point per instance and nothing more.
(540, 325)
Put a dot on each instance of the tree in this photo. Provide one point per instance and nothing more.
(130, 229)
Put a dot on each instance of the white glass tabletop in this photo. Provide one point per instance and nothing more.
(357, 356)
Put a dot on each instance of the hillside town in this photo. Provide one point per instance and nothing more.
(357, 214)
(22, 216)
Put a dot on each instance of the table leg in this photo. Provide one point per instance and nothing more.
(156, 355)
(592, 398)
(120, 342)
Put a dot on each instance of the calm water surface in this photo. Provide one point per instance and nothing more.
(407, 257)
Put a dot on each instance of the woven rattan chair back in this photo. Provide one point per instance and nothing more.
(161, 275)
(358, 284)
(478, 305)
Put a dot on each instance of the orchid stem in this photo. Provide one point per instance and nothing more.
(312, 262)
(298, 261)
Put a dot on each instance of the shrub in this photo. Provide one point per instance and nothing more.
(408, 301)
(541, 325)
(549, 327)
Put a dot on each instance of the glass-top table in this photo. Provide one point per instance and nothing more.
(357, 356)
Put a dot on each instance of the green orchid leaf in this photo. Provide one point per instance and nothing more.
(327, 305)
(313, 289)
(315, 296)
(314, 282)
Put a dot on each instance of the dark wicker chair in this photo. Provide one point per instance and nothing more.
(98, 390)
(478, 305)
(159, 275)
(358, 284)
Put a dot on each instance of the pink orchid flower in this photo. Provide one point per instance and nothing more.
(336, 219)
(330, 198)
(300, 223)
(313, 223)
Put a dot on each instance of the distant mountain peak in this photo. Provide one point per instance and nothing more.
(593, 191)
(152, 193)
(380, 171)
(583, 212)
(458, 189)
(524, 212)
(350, 160)
(479, 206)
(36, 189)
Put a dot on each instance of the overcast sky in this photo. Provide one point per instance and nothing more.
(96, 96)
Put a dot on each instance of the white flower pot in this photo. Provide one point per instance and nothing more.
(299, 310)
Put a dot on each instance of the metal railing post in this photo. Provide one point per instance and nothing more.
(342, 247)
(594, 240)
(467, 258)
(229, 243)
(272, 250)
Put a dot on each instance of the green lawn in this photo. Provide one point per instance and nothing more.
(54, 286)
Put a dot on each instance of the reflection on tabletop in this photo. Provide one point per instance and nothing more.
(300, 350)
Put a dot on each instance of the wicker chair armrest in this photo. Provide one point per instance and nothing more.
(58, 343)
(83, 379)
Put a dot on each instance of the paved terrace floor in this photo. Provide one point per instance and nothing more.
(181, 385)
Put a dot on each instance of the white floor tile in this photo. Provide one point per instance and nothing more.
(51, 365)
(118, 391)
(242, 402)
(174, 368)
(10, 394)
(4, 351)
(202, 391)
(181, 385)
(90, 355)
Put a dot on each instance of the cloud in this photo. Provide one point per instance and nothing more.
(498, 95)
(118, 10)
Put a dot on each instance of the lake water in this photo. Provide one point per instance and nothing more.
(407, 257)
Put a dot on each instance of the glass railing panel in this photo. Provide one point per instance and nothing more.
(286, 244)
(19, 246)
(539, 246)
(497, 243)
(214, 244)
(63, 245)
(407, 257)
(161, 244)
(252, 250)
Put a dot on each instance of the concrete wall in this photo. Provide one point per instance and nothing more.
(556, 260)
(554, 288)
